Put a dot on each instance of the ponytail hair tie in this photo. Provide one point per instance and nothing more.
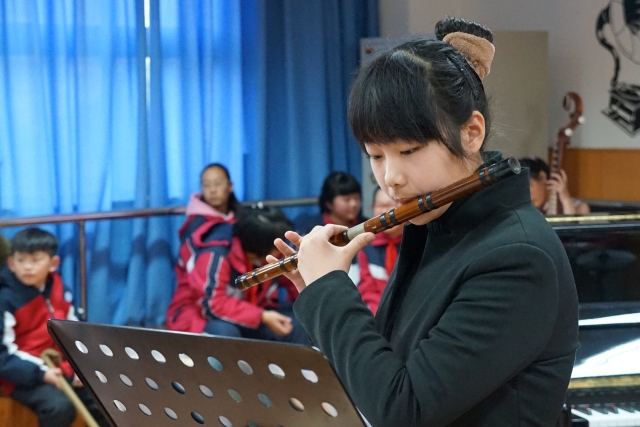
(476, 50)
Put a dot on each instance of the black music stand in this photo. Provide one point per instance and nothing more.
(146, 377)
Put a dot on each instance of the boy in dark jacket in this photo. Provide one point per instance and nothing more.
(31, 292)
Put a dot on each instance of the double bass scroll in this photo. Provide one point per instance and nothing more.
(573, 103)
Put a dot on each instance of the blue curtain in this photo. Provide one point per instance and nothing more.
(105, 106)
(307, 53)
(69, 122)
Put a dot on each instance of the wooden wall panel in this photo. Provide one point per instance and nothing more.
(604, 174)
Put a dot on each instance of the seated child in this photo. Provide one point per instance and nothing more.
(542, 181)
(340, 202)
(210, 215)
(207, 299)
(378, 259)
(31, 292)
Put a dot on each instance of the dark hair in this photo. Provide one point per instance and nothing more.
(233, 202)
(32, 240)
(422, 90)
(259, 226)
(337, 184)
(535, 165)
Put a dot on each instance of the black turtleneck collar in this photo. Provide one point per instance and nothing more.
(466, 212)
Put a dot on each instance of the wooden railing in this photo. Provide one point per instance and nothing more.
(82, 218)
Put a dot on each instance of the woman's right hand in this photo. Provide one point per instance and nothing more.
(287, 251)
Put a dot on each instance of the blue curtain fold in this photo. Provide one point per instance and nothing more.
(307, 53)
(104, 106)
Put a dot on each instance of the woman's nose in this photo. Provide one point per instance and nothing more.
(393, 175)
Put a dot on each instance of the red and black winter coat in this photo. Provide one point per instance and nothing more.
(25, 311)
(209, 260)
(376, 261)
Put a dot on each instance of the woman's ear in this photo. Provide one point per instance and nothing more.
(473, 132)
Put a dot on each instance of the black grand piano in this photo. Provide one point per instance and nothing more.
(604, 251)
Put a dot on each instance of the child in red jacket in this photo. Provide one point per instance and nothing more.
(213, 254)
(31, 292)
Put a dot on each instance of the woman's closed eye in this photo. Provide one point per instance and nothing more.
(410, 151)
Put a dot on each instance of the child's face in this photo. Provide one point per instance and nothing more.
(216, 189)
(538, 189)
(406, 170)
(32, 269)
(345, 208)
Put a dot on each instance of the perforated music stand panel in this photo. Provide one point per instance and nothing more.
(146, 377)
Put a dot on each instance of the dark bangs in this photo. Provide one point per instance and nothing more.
(403, 96)
(389, 101)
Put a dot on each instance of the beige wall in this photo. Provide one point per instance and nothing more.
(577, 62)
(518, 88)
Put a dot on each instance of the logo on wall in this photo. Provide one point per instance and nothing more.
(622, 17)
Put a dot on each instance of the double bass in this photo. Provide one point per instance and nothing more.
(572, 103)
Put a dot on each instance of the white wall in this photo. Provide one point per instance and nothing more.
(577, 62)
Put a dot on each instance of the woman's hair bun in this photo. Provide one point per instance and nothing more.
(453, 25)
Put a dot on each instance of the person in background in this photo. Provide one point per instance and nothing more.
(209, 213)
(340, 203)
(31, 292)
(216, 192)
(217, 306)
(379, 258)
(542, 181)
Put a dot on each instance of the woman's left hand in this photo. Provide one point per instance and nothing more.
(317, 257)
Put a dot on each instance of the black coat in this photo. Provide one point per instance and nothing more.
(477, 327)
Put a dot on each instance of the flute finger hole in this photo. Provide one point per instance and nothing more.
(276, 371)
(83, 348)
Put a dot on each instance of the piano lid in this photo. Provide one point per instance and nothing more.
(607, 350)
(604, 252)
